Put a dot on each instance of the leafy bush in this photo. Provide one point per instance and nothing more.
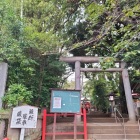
(17, 94)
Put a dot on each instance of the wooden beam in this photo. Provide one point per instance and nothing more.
(100, 70)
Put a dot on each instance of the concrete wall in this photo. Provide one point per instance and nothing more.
(35, 134)
(2, 128)
(30, 134)
(13, 134)
(3, 124)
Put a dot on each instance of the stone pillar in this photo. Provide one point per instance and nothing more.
(77, 76)
(77, 83)
(3, 77)
(128, 95)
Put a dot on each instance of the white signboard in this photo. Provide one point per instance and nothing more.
(24, 117)
(57, 102)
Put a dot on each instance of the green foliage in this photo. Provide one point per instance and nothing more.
(101, 85)
(30, 45)
(114, 30)
(94, 10)
(48, 74)
(4, 111)
(69, 85)
(107, 62)
(135, 80)
(99, 95)
(17, 94)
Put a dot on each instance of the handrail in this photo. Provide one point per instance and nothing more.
(138, 117)
(139, 123)
(117, 118)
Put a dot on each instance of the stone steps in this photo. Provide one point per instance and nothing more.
(100, 126)
(104, 120)
(110, 131)
(114, 136)
(91, 120)
(100, 139)
(98, 131)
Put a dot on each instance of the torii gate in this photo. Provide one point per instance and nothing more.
(123, 70)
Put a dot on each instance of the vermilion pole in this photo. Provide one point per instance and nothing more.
(75, 133)
(5, 139)
(44, 122)
(85, 124)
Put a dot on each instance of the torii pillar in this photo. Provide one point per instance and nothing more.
(125, 77)
(128, 95)
(77, 82)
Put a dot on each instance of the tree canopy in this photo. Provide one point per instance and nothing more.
(35, 33)
(111, 29)
(32, 53)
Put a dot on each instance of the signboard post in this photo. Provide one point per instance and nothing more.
(22, 133)
(24, 117)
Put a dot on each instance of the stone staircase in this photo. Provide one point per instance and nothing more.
(112, 131)
(103, 128)
(98, 131)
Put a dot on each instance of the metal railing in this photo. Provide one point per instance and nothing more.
(138, 118)
(118, 119)
(139, 123)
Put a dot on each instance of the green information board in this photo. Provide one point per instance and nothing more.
(65, 101)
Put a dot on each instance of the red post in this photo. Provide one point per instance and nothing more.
(44, 122)
(5, 139)
(85, 124)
